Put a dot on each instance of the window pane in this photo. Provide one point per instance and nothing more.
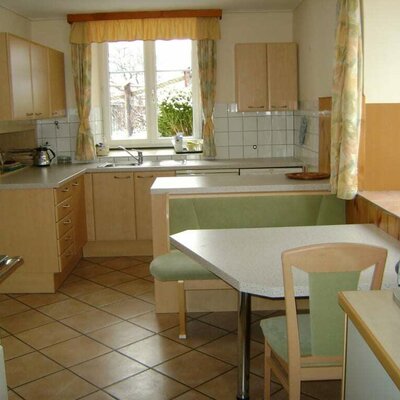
(174, 87)
(127, 90)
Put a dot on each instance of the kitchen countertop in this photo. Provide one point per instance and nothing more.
(377, 318)
(235, 184)
(56, 175)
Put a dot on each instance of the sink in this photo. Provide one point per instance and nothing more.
(117, 165)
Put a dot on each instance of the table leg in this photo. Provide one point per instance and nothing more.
(244, 315)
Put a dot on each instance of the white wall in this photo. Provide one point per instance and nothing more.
(246, 27)
(382, 51)
(13, 23)
(314, 30)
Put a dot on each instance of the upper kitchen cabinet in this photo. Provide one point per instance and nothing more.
(266, 76)
(32, 85)
(58, 106)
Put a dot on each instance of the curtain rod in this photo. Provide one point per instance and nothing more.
(143, 14)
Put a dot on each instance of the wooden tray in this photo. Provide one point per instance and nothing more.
(307, 175)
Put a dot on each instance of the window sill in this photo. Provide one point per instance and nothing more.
(388, 200)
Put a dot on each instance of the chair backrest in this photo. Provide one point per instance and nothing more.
(332, 267)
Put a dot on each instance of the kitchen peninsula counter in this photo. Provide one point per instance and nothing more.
(56, 175)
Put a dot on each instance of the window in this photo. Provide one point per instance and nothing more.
(152, 92)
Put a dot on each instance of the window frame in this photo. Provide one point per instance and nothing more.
(153, 138)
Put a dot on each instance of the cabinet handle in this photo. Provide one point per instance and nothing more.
(256, 106)
(54, 113)
(68, 254)
(122, 177)
(67, 222)
(75, 184)
(144, 177)
(29, 114)
(67, 238)
(66, 206)
(279, 106)
(38, 113)
(65, 190)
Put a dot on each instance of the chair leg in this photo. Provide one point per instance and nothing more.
(267, 372)
(182, 309)
(294, 388)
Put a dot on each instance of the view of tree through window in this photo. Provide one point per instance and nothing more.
(150, 88)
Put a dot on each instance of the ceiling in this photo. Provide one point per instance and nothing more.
(56, 9)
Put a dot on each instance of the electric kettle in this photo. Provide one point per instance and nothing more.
(42, 156)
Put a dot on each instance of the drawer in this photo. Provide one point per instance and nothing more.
(63, 192)
(67, 257)
(65, 241)
(64, 225)
(64, 208)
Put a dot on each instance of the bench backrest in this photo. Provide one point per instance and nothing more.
(255, 212)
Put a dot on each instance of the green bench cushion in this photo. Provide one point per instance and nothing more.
(175, 266)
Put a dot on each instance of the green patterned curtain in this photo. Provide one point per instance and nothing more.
(207, 55)
(346, 100)
(81, 69)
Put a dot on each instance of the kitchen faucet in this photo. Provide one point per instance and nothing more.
(139, 157)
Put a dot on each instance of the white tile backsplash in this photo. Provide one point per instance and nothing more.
(249, 124)
(235, 138)
(250, 138)
(236, 152)
(221, 124)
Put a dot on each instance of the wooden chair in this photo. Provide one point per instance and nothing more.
(306, 347)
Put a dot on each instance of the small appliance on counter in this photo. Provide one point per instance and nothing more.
(43, 156)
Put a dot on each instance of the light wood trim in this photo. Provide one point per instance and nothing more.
(62, 192)
(63, 208)
(67, 257)
(89, 207)
(71, 18)
(23, 282)
(115, 248)
(64, 225)
(181, 309)
(65, 241)
(209, 284)
(5, 83)
(374, 344)
(58, 105)
(60, 277)
(324, 161)
(248, 194)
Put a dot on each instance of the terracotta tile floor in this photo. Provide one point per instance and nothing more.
(98, 338)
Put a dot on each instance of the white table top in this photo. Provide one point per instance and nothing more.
(250, 259)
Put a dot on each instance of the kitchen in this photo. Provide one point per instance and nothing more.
(315, 61)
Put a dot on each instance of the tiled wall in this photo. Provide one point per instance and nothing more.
(253, 135)
(60, 134)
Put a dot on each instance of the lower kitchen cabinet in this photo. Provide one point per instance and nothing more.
(143, 182)
(46, 228)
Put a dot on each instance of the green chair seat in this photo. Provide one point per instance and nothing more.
(176, 266)
(275, 330)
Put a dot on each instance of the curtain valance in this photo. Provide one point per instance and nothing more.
(195, 28)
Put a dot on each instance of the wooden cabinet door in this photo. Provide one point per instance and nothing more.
(114, 206)
(143, 182)
(20, 76)
(57, 83)
(251, 76)
(282, 76)
(40, 82)
(78, 208)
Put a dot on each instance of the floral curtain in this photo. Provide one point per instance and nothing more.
(206, 51)
(81, 69)
(346, 99)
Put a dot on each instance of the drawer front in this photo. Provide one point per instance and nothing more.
(63, 192)
(65, 241)
(67, 257)
(64, 208)
(64, 225)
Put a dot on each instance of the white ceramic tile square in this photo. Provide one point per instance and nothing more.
(264, 151)
(250, 138)
(249, 124)
(289, 150)
(220, 110)
(235, 152)
(314, 122)
(235, 124)
(278, 137)
(63, 144)
(289, 121)
(73, 115)
(235, 139)
(49, 131)
(222, 152)
(264, 137)
(38, 131)
(289, 137)
(279, 150)
(221, 139)
(264, 123)
(73, 129)
(62, 130)
(278, 123)
(221, 124)
(250, 152)
(50, 142)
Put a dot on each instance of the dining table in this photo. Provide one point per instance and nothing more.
(249, 260)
